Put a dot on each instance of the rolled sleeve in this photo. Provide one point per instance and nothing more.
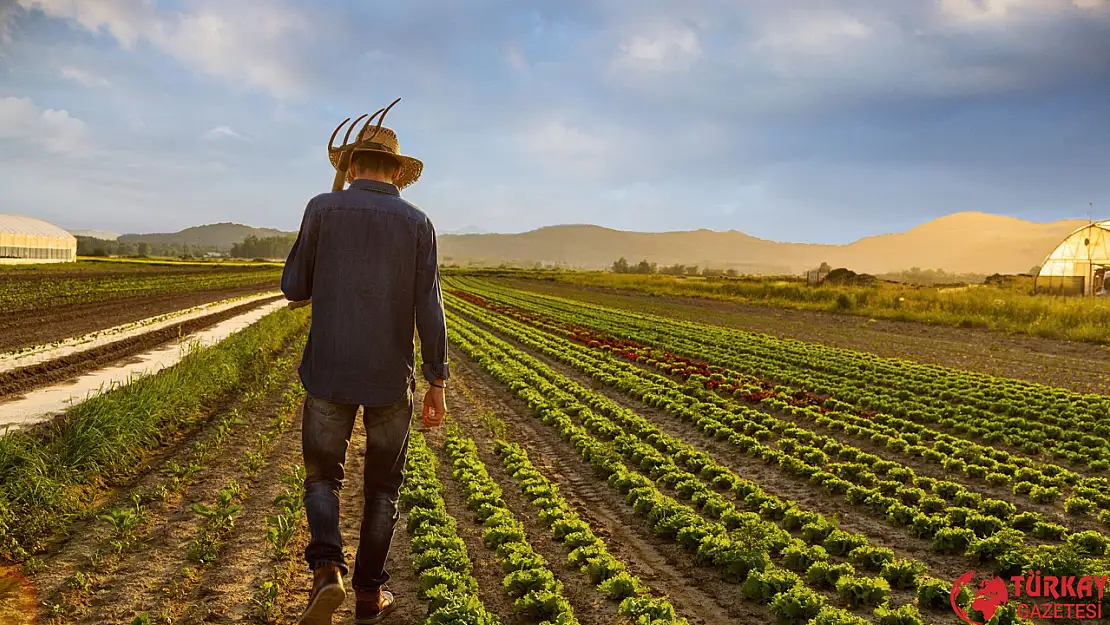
(296, 277)
(430, 321)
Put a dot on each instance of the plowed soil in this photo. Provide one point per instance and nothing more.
(43, 325)
(19, 381)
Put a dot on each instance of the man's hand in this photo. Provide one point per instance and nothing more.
(435, 405)
(300, 304)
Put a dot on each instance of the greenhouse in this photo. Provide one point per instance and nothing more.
(1080, 264)
(30, 240)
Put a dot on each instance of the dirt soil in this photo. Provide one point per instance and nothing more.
(1082, 367)
(43, 325)
(16, 382)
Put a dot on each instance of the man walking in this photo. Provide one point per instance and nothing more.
(366, 259)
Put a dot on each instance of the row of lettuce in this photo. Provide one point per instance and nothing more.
(1077, 415)
(955, 520)
(444, 567)
(781, 555)
(901, 430)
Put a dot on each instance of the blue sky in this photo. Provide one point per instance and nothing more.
(805, 120)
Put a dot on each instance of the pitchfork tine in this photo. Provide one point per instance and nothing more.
(362, 132)
(381, 120)
(353, 124)
(337, 128)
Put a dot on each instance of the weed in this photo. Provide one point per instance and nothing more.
(80, 582)
(264, 603)
(279, 532)
(254, 463)
(124, 520)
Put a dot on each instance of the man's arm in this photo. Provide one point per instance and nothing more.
(296, 278)
(430, 322)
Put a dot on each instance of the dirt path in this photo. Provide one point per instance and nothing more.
(410, 610)
(1081, 367)
(698, 593)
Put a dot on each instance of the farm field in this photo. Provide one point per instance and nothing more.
(601, 465)
(40, 304)
(1080, 366)
(1009, 307)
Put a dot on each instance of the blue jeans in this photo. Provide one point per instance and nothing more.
(325, 436)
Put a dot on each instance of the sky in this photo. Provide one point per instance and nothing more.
(807, 120)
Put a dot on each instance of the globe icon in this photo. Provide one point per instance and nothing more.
(989, 596)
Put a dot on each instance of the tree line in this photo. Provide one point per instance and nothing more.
(91, 246)
(622, 265)
(264, 247)
(250, 247)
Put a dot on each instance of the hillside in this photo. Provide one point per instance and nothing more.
(221, 236)
(968, 242)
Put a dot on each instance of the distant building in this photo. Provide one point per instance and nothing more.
(30, 240)
(1079, 264)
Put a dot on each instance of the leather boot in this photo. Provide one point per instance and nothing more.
(372, 605)
(326, 596)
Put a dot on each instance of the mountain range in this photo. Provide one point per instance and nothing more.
(968, 242)
(221, 236)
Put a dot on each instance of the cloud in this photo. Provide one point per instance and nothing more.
(563, 148)
(84, 78)
(7, 19)
(998, 11)
(125, 20)
(665, 46)
(55, 130)
(246, 43)
(220, 132)
(811, 33)
(516, 59)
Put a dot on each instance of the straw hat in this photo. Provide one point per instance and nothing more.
(372, 139)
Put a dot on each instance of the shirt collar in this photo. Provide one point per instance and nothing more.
(374, 185)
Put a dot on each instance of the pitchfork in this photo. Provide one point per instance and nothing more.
(347, 149)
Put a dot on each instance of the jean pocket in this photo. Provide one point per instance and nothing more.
(322, 407)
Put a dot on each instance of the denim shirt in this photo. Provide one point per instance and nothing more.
(367, 259)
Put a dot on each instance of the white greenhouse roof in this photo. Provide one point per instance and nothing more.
(18, 224)
(1084, 248)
